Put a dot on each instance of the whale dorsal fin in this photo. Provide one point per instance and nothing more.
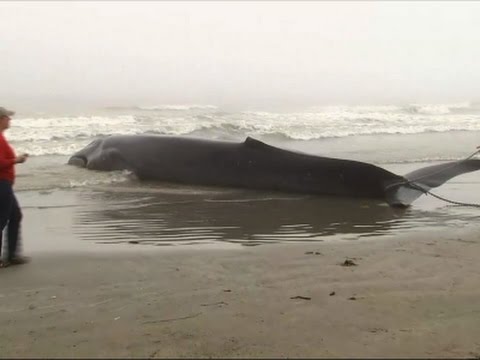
(254, 143)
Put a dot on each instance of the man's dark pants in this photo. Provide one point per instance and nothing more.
(10, 214)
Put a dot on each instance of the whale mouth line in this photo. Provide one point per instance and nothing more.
(78, 160)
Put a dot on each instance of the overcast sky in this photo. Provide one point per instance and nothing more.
(239, 53)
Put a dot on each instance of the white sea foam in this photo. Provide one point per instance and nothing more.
(65, 135)
(107, 178)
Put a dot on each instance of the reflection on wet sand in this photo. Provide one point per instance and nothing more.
(245, 217)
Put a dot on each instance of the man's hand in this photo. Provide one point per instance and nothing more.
(21, 159)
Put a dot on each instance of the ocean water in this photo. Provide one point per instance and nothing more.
(399, 138)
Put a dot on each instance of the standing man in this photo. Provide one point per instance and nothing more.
(10, 213)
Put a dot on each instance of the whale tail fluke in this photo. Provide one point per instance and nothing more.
(420, 181)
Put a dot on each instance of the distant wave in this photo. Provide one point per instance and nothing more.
(359, 109)
(178, 107)
(437, 109)
(164, 107)
(416, 108)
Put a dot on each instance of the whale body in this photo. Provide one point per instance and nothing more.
(256, 165)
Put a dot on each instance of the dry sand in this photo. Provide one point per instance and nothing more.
(414, 296)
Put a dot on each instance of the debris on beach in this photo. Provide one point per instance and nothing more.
(377, 330)
(220, 303)
(301, 297)
(313, 253)
(134, 242)
(349, 262)
(332, 293)
(172, 319)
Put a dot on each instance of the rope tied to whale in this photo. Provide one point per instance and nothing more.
(427, 192)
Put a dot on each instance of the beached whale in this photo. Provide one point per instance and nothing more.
(256, 165)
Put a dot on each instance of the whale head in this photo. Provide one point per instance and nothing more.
(83, 157)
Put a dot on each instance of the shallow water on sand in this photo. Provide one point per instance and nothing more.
(133, 214)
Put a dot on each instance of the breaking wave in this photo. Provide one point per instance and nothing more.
(67, 134)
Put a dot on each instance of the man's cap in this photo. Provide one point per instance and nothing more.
(5, 112)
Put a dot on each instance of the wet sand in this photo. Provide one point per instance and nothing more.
(411, 294)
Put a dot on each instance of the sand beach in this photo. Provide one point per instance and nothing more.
(404, 294)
